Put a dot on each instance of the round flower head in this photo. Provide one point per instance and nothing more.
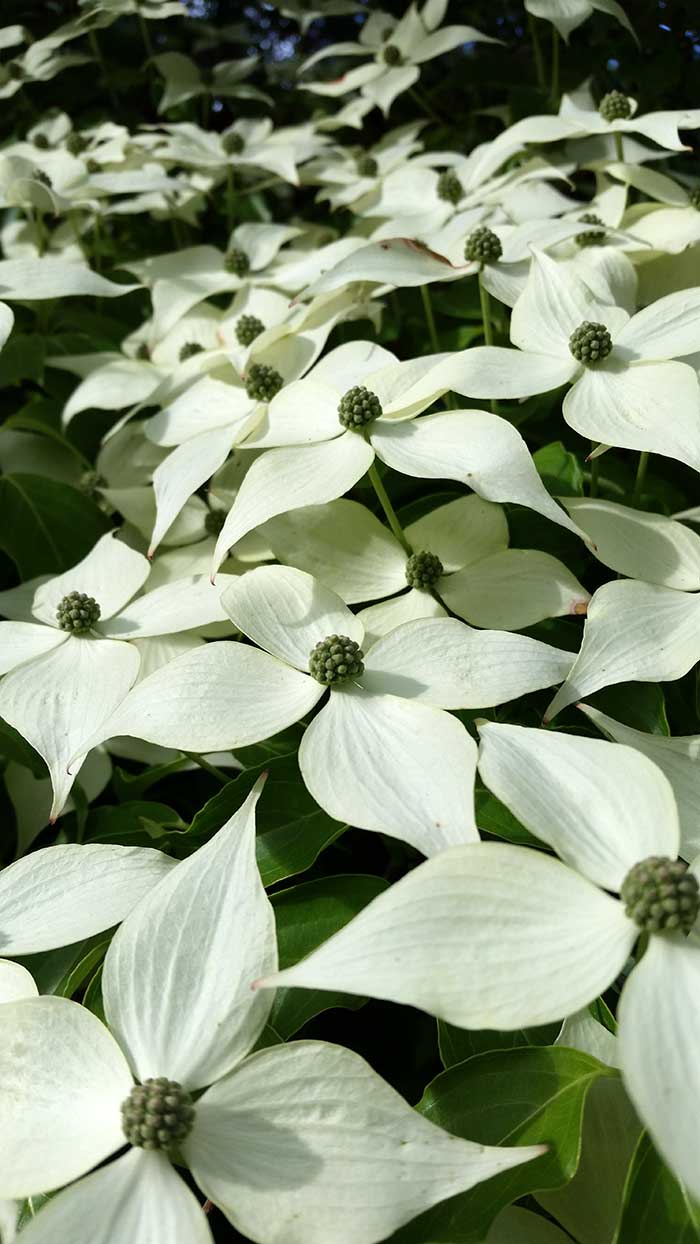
(615, 106)
(392, 55)
(590, 342)
(237, 262)
(367, 166)
(39, 175)
(77, 612)
(41, 141)
(248, 327)
(423, 570)
(189, 349)
(358, 407)
(660, 893)
(143, 351)
(157, 1114)
(233, 143)
(93, 166)
(336, 659)
(591, 237)
(482, 246)
(449, 187)
(76, 144)
(263, 382)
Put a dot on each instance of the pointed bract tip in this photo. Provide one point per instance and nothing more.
(263, 982)
(151, 554)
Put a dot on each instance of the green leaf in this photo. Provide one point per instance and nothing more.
(277, 745)
(131, 786)
(493, 817)
(123, 822)
(292, 829)
(637, 704)
(14, 747)
(559, 470)
(506, 1097)
(22, 359)
(45, 526)
(656, 1207)
(459, 1044)
(79, 973)
(307, 915)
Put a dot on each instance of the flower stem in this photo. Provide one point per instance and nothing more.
(640, 477)
(230, 196)
(97, 53)
(485, 302)
(145, 36)
(383, 498)
(537, 51)
(618, 148)
(430, 318)
(554, 87)
(424, 104)
(208, 768)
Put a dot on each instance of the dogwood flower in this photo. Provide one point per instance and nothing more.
(398, 49)
(382, 754)
(568, 15)
(261, 1141)
(64, 893)
(627, 388)
(68, 669)
(360, 401)
(460, 560)
(490, 935)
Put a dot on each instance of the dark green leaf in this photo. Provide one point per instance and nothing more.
(522, 1096)
(559, 469)
(493, 817)
(307, 915)
(46, 526)
(655, 1207)
(458, 1044)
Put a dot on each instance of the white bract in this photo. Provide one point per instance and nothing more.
(382, 754)
(61, 682)
(397, 49)
(478, 577)
(494, 936)
(261, 1141)
(62, 894)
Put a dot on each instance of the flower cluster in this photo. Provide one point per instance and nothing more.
(314, 552)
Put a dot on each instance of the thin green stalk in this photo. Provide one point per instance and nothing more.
(145, 36)
(595, 467)
(383, 498)
(537, 51)
(230, 196)
(430, 318)
(425, 105)
(262, 185)
(618, 148)
(97, 253)
(640, 477)
(485, 302)
(40, 232)
(208, 768)
(97, 53)
(554, 82)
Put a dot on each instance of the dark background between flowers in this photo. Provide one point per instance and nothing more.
(322, 872)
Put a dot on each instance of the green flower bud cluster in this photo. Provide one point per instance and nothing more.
(262, 382)
(143, 351)
(93, 166)
(660, 893)
(615, 107)
(248, 327)
(41, 141)
(233, 143)
(449, 187)
(237, 262)
(589, 343)
(482, 246)
(423, 570)
(39, 175)
(214, 521)
(189, 349)
(694, 198)
(367, 166)
(591, 237)
(392, 55)
(157, 1114)
(358, 407)
(76, 144)
(77, 612)
(336, 659)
